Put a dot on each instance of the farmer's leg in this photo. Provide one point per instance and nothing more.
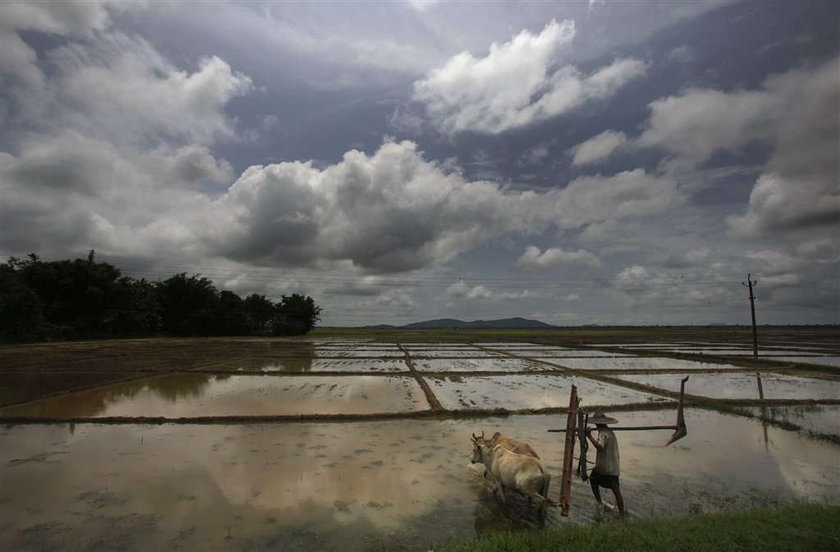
(593, 481)
(619, 500)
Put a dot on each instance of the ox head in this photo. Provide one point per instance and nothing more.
(477, 442)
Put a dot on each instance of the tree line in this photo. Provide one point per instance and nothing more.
(83, 298)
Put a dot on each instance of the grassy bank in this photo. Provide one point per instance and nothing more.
(793, 528)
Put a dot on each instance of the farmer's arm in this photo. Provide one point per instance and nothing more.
(595, 442)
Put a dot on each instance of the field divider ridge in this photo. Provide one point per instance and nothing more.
(434, 403)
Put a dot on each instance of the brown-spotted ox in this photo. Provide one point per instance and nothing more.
(509, 470)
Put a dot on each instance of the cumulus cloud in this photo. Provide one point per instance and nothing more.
(387, 212)
(395, 298)
(107, 84)
(462, 290)
(775, 269)
(645, 286)
(23, 79)
(633, 278)
(821, 250)
(81, 193)
(795, 113)
(636, 193)
(774, 262)
(598, 147)
(798, 188)
(395, 211)
(700, 122)
(391, 211)
(59, 18)
(122, 87)
(533, 258)
(516, 83)
(122, 161)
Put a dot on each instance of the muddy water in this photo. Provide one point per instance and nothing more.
(825, 360)
(638, 363)
(396, 485)
(392, 352)
(823, 419)
(301, 365)
(559, 352)
(452, 353)
(729, 385)
(189, 395)
(567, 353)
(502, 364)
(529, 391)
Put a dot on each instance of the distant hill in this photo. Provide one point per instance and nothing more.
(453, 324)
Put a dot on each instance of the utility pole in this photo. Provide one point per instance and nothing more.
(750, 285)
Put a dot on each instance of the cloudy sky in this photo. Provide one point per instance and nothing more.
(576, 162)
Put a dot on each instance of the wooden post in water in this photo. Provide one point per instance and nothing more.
(760, 388)
(568, 454)
(750, 285)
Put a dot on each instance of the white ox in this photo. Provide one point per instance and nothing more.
(511, 470)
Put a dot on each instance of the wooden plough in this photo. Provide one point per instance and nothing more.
(576, 422)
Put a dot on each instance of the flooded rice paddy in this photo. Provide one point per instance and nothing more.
(303, 365)
(637, 363)
(388, 481)
(358, 486)
(565, 353)
(815, 418)
(516, 392)
(195, 395)
(500, 364)
(743, 385)
(821, 360)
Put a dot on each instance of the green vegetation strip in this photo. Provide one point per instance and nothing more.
(793, 528)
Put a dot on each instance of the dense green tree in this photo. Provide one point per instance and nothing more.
(230, 316)
(85, 298)
(259, 314)
(21, 311)
(137, 310)
(76, 295)
(296, 315)
(189, 305)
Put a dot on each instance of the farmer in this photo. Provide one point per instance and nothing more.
(605, 473)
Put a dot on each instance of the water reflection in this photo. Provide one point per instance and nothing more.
(292, 365)
(95, 402)
(189, 395)
(29, 372)
(821, 419)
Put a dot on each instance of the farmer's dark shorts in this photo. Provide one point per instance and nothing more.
(602, 480)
